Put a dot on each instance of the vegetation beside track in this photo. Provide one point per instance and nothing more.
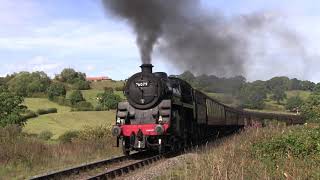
(275, 152)
(23, 155)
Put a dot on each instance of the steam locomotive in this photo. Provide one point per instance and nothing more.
(164, 113)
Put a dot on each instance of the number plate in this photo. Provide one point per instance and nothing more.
(142, 84)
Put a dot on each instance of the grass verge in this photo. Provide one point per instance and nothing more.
(23, 156)
(267, 153)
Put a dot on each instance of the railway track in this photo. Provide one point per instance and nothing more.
(125, 169)
(83, 169)
(118, 166)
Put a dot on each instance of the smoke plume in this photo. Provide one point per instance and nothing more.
(190, 36)
(147, 18)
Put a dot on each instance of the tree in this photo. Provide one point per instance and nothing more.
(81, 85)
(70, 76)
(295, 84)
(10, 108)
(279, 94)
(27, 84)
(307, 85)
(294, 104)
(56, 90)
(311, 108)
(76, 97)
(252, 96)
(108, 100)
(316, 88)
(278, 82)
(76, 79)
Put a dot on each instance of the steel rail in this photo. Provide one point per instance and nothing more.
(83, 167)
(126, 169)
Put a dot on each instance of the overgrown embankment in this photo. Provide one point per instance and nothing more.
(22, 155)
(275, 152)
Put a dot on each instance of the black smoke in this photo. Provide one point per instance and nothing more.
(190, 36)
(147, 18)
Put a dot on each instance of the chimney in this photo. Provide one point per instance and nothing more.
(146, 68)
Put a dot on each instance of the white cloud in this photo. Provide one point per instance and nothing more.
(37, 63)
(72, 36)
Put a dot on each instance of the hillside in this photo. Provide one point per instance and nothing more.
(60, 123)
(64, 120)
(270, 105)
(100, 85)
(42, 103)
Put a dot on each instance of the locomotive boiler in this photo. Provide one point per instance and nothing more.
(166, 113)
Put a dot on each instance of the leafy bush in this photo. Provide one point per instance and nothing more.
(298, 143)
(42, 111)
(252, 96)
(294, 103)
(47, 111)
(95, 133)
(45, 135)
(56, 90)
(52, 110)
(76, 97)
(81, 85)
(62, 101)
(68, 136)
(108, 89)
(108, 100)
(83, 106)
(29, 114)
(278, 94)
(311, 108)
(119, 88)
(10, 108)
(99, 107)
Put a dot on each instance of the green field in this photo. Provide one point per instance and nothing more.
(303, 94)
(61, 122)
(42, 103)
(64, 120)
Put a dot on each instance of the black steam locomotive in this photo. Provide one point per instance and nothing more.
(164, 112)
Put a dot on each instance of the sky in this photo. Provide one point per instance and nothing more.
(46, 35)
